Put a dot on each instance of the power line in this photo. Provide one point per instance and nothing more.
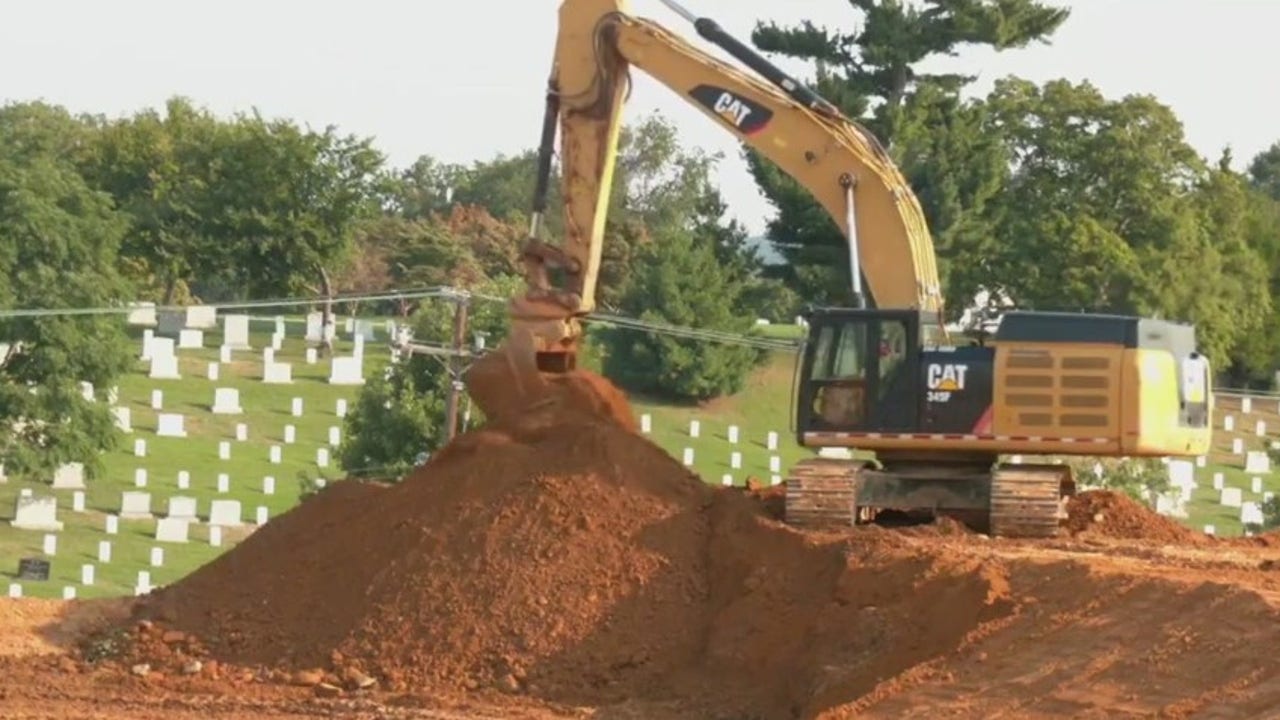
(415, 294)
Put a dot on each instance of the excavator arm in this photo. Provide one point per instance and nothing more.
(844, 167)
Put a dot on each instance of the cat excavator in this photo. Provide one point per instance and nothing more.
(921, 421)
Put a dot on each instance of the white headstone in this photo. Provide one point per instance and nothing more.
(290, 434)
(315, 324)
(183, 508)
(212, 373)
(224, 513)
(260, 515)
(735, 460)
(50, 544)
(15, 590)
(688, 456)
(1258, 462)
(69, 476)
(215, 536)
(1218, 480)
(202, 316)
(148, 341)
(142, 313)
(140, 448)
(349, 325)
(143, 586)
(172, 530)
(726, 480)
(275, 373)
(113, 395)
(1260, 428)
(235, 332)
(279, 330)
(170, 425)
(224, 450)
(1251, 514)
(646, 423)
(295, 407)
(135, 505)
(157, 399)
(111, 525)
(242, 432)
(190, 339)
(268, 485)
(775, 464)
(733, 434)
(771, 440)
(1237, 446)
(77, 501)
(124, 418)
(224, 483)
(268, 355)
(104, 551)
(322, 457)
(184, 479)
(335, 436)
(86, 574)
(274, 455)
(164, 364)
(311, 356)
(1231, 497)
(695, 428)
(140, 477)
(157, 557)
(340, 407)
(346, 371)
(68, 593)
(36, 513)
(1255, 485)
(1201, 461)
(277, 341)
(1246, 405)
(226, 401)
(1229, 423)
(86, 391)
(224, 354)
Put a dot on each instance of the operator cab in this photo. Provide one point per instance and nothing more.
(888, 371)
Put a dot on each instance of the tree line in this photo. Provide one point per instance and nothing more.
(1053, 195)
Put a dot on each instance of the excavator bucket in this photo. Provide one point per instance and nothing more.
(516, 386)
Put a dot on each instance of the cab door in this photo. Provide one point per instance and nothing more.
(859, 373)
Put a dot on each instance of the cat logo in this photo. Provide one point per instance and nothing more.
(946, 378)
(732, 109)
(740, 113)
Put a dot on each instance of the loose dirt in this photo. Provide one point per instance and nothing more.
(559, 565)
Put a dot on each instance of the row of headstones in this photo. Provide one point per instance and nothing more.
(236, 326)
(1182, 477)
(1246, 407)
(87, 573)
(735, 458)
(40, 513)
(164, 362)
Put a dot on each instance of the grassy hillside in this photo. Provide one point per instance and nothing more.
(764, 406)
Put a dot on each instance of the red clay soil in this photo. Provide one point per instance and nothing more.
(562, 558)
(1115, 515)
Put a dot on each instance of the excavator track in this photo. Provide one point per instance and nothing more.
(822, 493)
(1026, 500)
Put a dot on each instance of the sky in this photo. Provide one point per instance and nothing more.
(463, 79)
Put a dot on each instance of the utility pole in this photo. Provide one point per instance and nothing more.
(461, 301)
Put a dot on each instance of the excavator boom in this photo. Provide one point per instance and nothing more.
(844, 167)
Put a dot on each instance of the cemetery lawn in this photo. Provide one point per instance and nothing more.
(764, 405)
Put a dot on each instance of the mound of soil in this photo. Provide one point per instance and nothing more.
(1115, 515)
(561, 555)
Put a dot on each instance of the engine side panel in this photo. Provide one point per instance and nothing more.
(956, 390)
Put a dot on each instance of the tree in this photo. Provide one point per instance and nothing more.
(59, 241)
(872, 75)
(1264, 171)
(1108, 209)
(695, 291)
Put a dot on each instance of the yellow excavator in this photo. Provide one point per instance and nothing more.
(940, 414)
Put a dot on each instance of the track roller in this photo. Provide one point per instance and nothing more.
(821, 493)
(1027, 500)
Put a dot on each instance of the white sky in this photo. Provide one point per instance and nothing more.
(463, 79)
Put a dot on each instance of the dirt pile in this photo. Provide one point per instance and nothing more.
(565, 557)
(1115, 515)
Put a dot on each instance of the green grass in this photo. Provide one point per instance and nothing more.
(267, 409)
(763, 406)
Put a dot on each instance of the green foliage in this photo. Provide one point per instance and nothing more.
(691, 289)
(58, 246)
(1139, 478)
(394, 420)
(1264, 171)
